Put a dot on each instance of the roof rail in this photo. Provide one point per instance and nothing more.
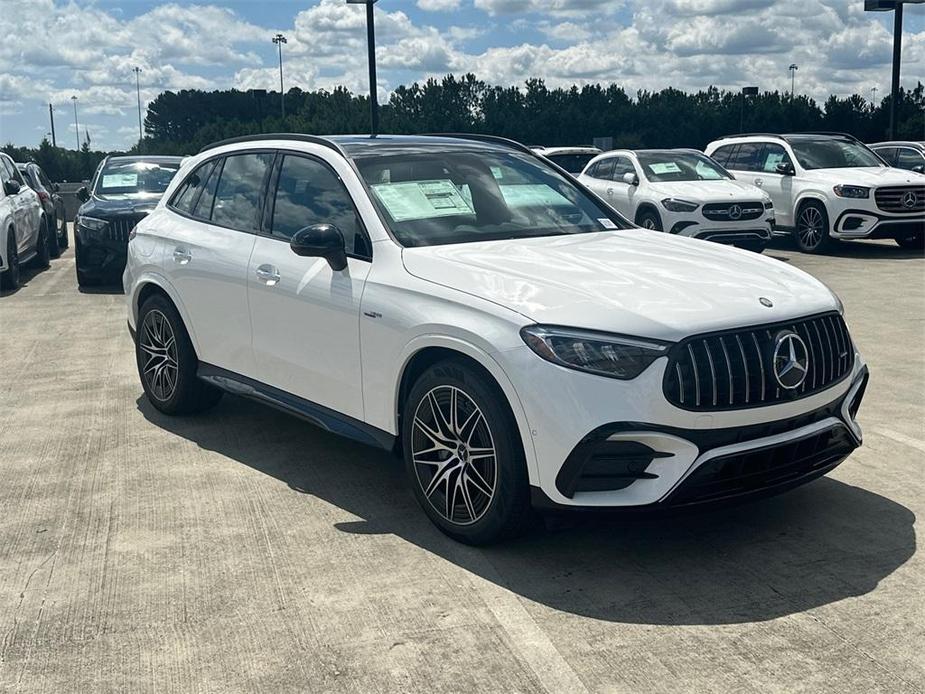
(827, 132)
(260, 137)
(494, 139)
(777, 135)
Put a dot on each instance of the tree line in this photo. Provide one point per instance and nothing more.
(183, 122)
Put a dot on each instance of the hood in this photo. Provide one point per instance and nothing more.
(866, 176)
(723, 190)
(119, 205)
(634, 282)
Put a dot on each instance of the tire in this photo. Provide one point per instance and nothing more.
(54, 250)
(43, 249)
(811, 232)
(10, 278)
(914, 242)
(63, 241)
(649, 219)
(167, 362)
(467, 471)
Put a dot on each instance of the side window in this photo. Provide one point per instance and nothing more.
(771, 157)
(188, 193)
(202, 208)
(604, 168)
(746, 158)
(592, 171)
(16, 174)
(621, 165)
(723, 154)
(309, 193)
(240, 190)
(5, 173)
(43, 179)
(907, 158)
(888, 154)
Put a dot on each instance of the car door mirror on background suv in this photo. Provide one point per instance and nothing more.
(631, 179)
(919, 168)
(11, 187)
(785, 169)
(83, 194)
(321, 241)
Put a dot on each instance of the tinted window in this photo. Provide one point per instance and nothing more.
(188, 193)
(888, 154)
(908, 158)
(6, 171)
(604, 168)
(771, 157)
(832, 153)
(723, 153)
(202, 208)
(573, 163)
(746, 158)
(622, 165)
(240, 190)
(43, 179)
(309, 193)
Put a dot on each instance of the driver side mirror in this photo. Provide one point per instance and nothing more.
(631, 179)
(83, 194)
(785, 169)
(11, 187)
(321, 241)
(919, 168)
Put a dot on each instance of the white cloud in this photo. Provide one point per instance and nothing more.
(438, 5)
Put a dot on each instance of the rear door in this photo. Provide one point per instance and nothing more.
(209, 245)
(305, 315)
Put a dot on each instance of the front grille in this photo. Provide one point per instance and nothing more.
(763, 469)
(733, 369)
(898, 199)
(118, 228)
(720, 211)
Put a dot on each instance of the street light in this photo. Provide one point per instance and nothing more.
(873, 97)
(746, 91)
(371, 48)
(897, 7)
(793, 71)
(76, 125)
(279, 40)
(137, 71)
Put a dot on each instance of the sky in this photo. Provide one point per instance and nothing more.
(55, 49)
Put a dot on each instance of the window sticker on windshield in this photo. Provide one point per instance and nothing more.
(664, 168)
(496, 172)
(607, 223)
(121, 180)
(533, 196)
(421, 199)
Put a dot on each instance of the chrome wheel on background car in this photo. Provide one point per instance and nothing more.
(812, 229)
(159, 346)
(454, 455)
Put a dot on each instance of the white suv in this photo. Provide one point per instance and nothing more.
(464, 302)
(682, 192)
(24, 231)
(828, 186)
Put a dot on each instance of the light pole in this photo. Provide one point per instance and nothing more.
(51, 116)
(371, 48)
(873, 97)
(76, 124)
(746, 92)
(137, 71)
(279, 40)
(793, 71)
(897, 7)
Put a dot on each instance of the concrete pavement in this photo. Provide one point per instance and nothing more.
(244, 550)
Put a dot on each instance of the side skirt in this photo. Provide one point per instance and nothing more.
(319, 415)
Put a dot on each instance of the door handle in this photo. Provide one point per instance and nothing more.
(181, 255)
(268, 274)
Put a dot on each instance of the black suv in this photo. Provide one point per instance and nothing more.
(52, 204)
(123, 192)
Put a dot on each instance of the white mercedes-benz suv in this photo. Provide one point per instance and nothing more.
(467, 303)
(683, 192)
(827, 186)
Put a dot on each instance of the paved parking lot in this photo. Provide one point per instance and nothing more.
(246, 550)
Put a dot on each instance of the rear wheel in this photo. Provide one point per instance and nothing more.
(463, 454)
(812, 229)
(9, 278)
(54, 248)
(913, 242)
(62, 233)
(167, 362)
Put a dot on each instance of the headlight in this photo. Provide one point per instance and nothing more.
(852, 191)
(91, 223)
(603, 354)
(673, 205)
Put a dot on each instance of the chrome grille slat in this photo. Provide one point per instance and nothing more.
(891, 199)
(695, 377)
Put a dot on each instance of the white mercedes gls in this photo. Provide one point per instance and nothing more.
(467, 303)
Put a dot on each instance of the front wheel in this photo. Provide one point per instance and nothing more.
(167, 362)
(913, 242)
(463, 455)
(62, 234)
(9, 278)
(812, 229)
(649, 219)
(43, 251)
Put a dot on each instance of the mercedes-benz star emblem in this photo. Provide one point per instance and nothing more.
(765, 301)
(790, 361)
(734, 212)
(909, 200)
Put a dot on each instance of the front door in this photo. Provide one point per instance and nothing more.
(777, 185)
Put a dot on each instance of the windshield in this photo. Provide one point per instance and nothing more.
(573, 163)
(135, 177)
(442, 197)
(833, 154)
(660, 167)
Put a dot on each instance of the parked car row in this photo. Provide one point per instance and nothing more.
(470, 305)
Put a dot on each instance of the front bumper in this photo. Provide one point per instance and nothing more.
(695, 225)
(99, 256)
(857, 223)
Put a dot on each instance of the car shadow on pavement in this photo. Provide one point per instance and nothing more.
(816, 545)
(853, 249)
